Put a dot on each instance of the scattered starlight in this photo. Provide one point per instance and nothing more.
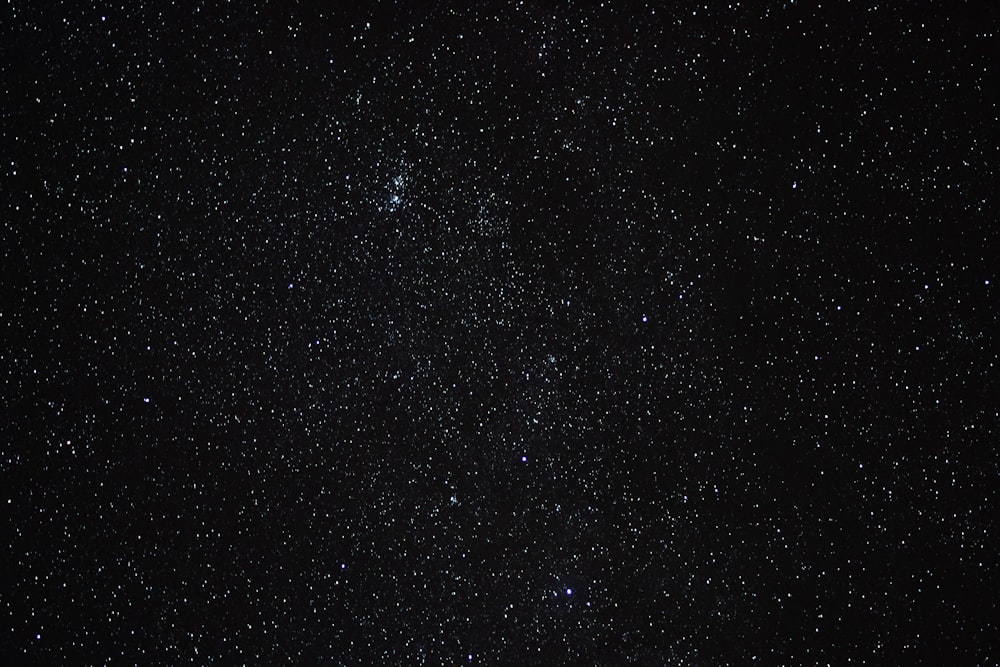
(292, 291)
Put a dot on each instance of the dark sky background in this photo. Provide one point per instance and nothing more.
(509, 333)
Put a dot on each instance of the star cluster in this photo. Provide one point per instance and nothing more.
(528, 333)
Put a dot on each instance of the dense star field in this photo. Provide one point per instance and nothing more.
(513, 334)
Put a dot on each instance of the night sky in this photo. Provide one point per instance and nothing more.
(517, 333)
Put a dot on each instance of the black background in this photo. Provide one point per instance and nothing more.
(361, 335)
